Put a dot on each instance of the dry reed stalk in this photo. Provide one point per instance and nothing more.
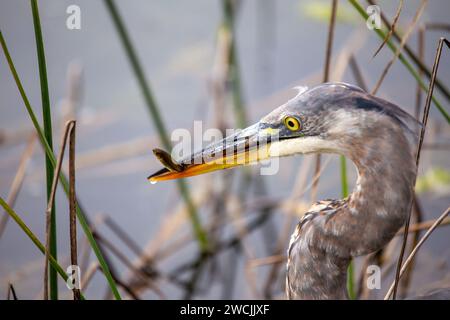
(326, 74)
(413, 56)
(73, 206)
(415, 250)
(391, 29)
(50, 204)
(19, 177)
(402, 44)
(11, 293)
(419, 148)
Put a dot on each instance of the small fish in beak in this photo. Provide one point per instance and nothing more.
(166, 160)
(248, 146)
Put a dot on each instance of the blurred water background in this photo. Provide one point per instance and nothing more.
(279, 44)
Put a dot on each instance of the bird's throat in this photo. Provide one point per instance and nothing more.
(365, 222)
(380, 202)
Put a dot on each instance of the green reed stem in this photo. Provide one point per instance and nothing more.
(47, 119)
(156, 117)
(32, 236)
(80, 214)
(402, 58)
(344, 191)
(344, 182)
(234, 74)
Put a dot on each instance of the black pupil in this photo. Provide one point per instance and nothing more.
(291, 123)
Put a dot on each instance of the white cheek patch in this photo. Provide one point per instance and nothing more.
(302, 145)
(345, 121)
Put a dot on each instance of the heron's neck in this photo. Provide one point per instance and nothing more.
(363, 223)
(379, 204)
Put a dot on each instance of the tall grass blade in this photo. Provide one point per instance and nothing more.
(65, 184)
(417, 61)
(402, 58)
(156, 117)
(46, 114)
(33, 238)
(228, 25)
(344, 190)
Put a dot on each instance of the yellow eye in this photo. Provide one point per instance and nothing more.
(292, 123)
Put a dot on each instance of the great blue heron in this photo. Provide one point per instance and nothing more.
(376, 135)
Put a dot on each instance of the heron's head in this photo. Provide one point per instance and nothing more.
(330, 118)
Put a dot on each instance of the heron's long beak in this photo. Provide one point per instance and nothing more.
(248, 146)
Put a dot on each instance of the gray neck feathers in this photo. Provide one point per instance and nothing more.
(363, 223)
